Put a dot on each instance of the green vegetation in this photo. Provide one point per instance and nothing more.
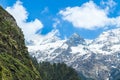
(15, 63)
(55, 71)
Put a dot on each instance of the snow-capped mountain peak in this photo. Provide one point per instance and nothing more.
(93, 58)
(75, 40)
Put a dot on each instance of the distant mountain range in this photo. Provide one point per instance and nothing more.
(98, 59)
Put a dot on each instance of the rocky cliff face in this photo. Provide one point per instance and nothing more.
(15, 63)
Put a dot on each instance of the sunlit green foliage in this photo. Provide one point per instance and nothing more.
(15, 63)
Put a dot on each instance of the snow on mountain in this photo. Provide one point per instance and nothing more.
(96, 59)
(75, 40)
(41, 39)
(45, 51)
(107, 43)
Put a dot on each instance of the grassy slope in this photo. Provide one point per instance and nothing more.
(15, 63)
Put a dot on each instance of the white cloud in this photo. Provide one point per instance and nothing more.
(30, 28)
(57, 22)
(21, 16)
(89, 16)
(109, 3)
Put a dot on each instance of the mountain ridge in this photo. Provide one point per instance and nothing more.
(94, 59)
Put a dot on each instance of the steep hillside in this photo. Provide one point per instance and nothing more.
(15, 63)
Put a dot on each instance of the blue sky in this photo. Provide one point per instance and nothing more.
(89, 18)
